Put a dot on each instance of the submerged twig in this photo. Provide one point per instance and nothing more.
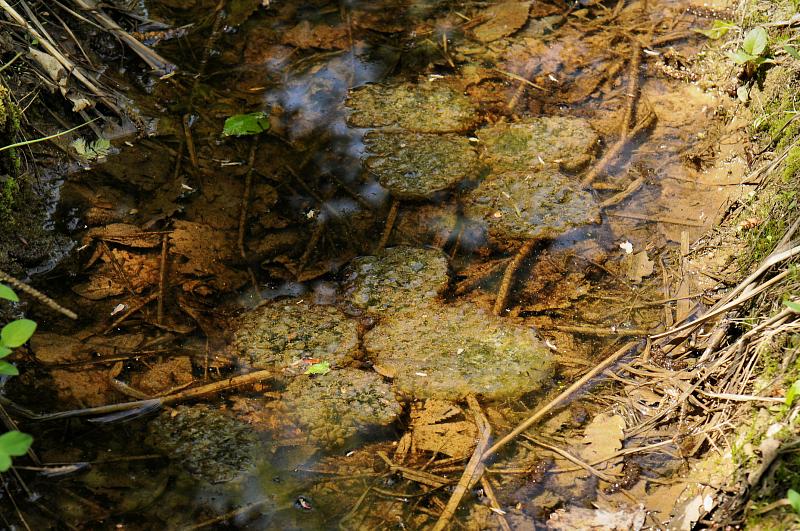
(508, 276)
(149, 405)
(571, 390)
(474, 469)
(387, 228)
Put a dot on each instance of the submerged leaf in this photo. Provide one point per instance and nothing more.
(246, 124)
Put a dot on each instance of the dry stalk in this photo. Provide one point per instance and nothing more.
(36, 294)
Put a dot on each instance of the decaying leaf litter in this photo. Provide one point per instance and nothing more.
(301, 210)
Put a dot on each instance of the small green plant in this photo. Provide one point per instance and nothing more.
(13, 335)
(792, 393)
(794, 499)
(246, 124)
(718, 29)
(754, 50)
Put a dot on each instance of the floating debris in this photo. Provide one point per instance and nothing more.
(334, 407)
(400, 277)
(448, 352)
(530, 206)
(537, 143)
(421, 108)
(293, 335)
(210, 444)
(416, 166)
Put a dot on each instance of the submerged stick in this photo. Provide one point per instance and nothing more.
(155, 403)
(387, 228)
(474, 468)
(617, 148)
(508, 276)
(547, 408)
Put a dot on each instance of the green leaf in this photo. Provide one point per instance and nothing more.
(741, 57)
(755, 42)
(15, 443)
(5, 351)
(794, 499)
(5, 462)
(791, 393)
(246, 124)
(322, 367)
(717, 30)
(16, 333)
(6, 369)
(791, 50)
(8, 294)
(794, 306)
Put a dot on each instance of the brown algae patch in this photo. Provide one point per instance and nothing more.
(336, 406)
(550, 141)
(448, 352)
(416, 166)
(421, 108)
(282, 334)
(530, 206)
(399, 278)
(210, 444)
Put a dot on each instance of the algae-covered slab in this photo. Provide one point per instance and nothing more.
(398, 278)
(550, 141)
(282, 334)
(336, 406)
(421, 108)
(415, 165)
(527, 206)
(448, 352)
(210, 444)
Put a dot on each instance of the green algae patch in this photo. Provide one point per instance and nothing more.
(531, 206)
(416, 166)
(449, 352)
(210, 444)
(334, 407)
(399, 278)
(551, 141)
(422, 108)
(292, 335)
